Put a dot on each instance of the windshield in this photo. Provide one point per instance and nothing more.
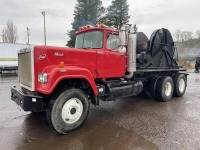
(93, 39)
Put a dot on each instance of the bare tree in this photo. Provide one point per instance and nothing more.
(183, 36)
(177, 35)
(198, 34)
(9, 33)
(186, 35)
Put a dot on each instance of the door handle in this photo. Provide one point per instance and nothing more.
(101, 53)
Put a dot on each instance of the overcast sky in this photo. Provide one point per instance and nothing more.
(148, 15)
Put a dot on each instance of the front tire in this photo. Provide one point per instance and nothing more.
(164, 88)
(179, 85)
(68, 110)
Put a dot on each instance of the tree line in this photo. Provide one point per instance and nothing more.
(187, 38)
(184, 36)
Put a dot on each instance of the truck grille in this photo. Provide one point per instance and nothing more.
(25, 69)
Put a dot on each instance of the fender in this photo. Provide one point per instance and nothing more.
(56, 74)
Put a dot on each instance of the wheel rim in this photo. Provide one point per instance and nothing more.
(181, 85)
(168, 88)
(72, 110)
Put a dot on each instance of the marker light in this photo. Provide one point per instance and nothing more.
(85, 27)
(101, 25)
(61, 64)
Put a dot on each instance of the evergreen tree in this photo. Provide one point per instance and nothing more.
(86, 12)
(117, 14)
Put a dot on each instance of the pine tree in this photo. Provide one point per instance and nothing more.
(117, 14)
(86, 12)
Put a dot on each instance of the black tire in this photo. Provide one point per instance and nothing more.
(64, 107)
(180, 84)
(164, 88)
(152, 88)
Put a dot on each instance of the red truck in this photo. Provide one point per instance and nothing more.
(105, 64)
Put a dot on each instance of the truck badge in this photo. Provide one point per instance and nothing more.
(58, 54)
(41, 57)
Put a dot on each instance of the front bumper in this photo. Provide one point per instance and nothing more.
(32, 103)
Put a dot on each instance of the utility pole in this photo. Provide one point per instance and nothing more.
(28, 34)
(43, 13)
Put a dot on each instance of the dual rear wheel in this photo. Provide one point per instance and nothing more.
(165, 87)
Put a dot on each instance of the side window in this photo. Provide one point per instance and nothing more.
(112, 41)
(79, 41)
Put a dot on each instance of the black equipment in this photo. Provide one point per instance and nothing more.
(160, 51)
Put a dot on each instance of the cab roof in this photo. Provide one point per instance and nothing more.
(96, 28)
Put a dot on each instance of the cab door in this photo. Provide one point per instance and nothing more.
(110, 62)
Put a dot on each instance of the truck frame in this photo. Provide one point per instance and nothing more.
(105, 64)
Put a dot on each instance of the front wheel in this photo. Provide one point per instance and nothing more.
(165, 88)
(179, 85)
(68, 110)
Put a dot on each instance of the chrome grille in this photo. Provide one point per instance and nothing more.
(25, 68)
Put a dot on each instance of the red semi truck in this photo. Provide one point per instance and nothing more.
(105, 64)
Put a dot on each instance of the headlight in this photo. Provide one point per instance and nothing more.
(42, 77)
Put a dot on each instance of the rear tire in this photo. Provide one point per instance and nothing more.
(179, 85)
(68, 110)
(152, 87)
(164, 88)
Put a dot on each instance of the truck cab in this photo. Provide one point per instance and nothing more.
(110, 62)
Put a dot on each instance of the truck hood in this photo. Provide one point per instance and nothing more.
(45, 56)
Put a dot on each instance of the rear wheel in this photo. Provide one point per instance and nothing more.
(164, 88)
(179, 85)
(68, 110)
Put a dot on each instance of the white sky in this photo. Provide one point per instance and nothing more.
(148, 15)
